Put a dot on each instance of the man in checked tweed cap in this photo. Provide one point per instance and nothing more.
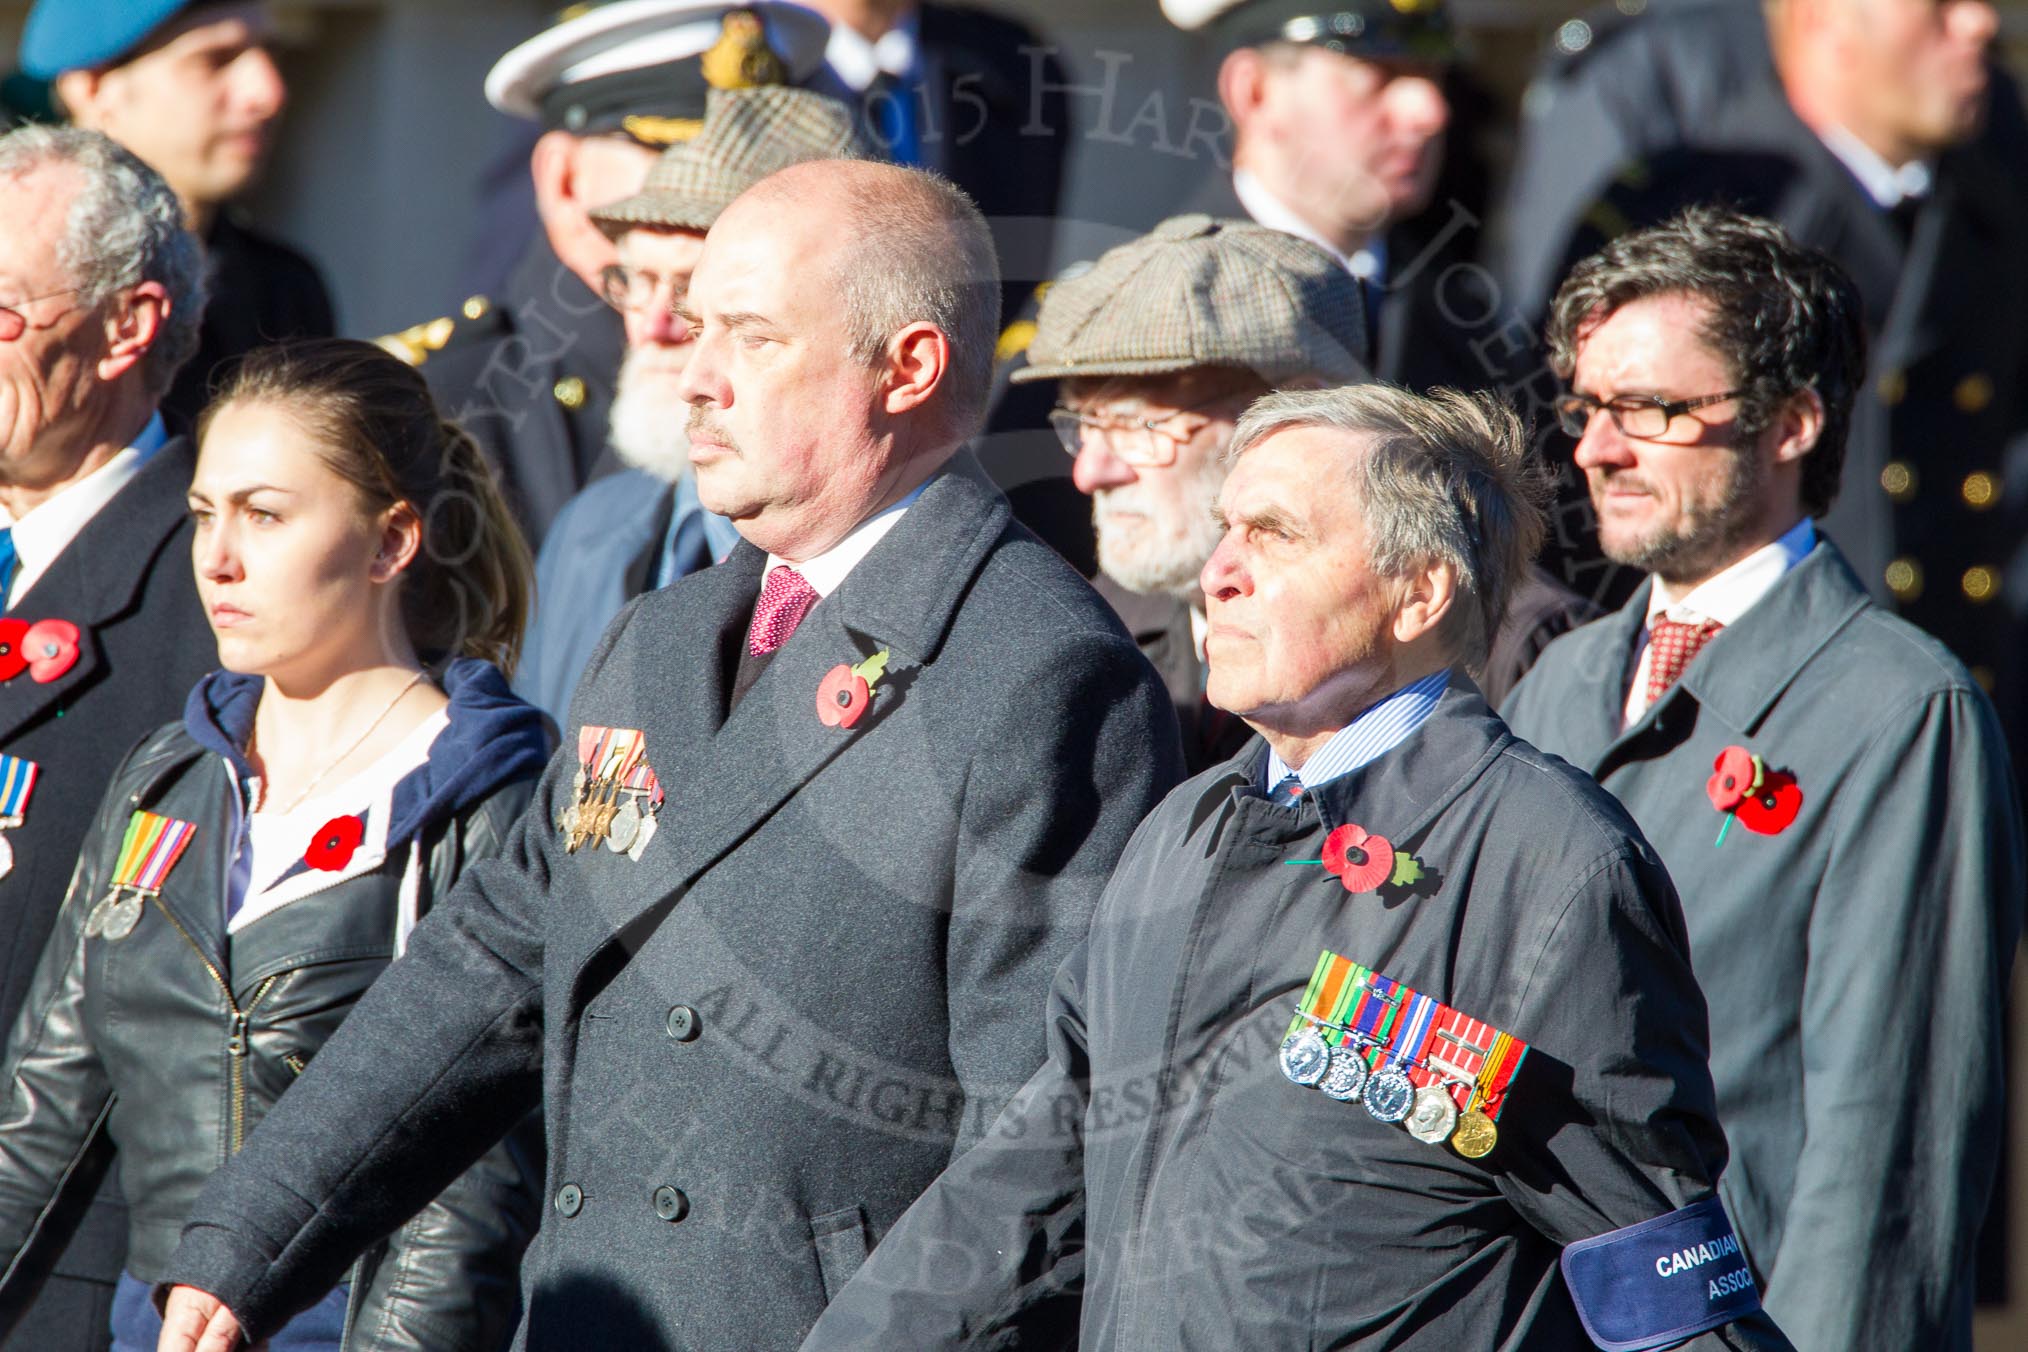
(644, 527)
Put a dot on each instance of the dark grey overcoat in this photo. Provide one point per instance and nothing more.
(1856, 962)
(825, 974)
(1162, 1167)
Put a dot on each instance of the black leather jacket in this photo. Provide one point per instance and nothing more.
(179, 1040)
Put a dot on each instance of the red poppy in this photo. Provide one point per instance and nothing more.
(1773, 805)
(1735, 773)
(334, 843)
(1361, 861)
(13, 661)
(51, 649)
(843, 697)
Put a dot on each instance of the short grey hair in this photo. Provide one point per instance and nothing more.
(125, 227)
(924, 255)
(1447, 479)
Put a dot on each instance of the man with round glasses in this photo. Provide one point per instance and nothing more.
(1827, 785)
(1158, 348)
(643, 527)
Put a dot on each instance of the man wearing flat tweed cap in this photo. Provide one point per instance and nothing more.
(643, 527)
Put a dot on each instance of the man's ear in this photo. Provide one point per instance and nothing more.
(77, 91)
(1426, 598)
(1797, 426)
(133, 323)
(918, 358)
(552, 165)
(1242, 85)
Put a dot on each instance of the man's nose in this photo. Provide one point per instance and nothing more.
(1603, 445)
(257, 83)
(1097, 467)
(1224, 575)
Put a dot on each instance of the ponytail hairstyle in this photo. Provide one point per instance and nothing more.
(375, 424)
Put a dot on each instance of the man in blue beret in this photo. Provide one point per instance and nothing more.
(190, 88)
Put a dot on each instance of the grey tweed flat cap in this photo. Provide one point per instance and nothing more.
(747, 135)
(1201, 292)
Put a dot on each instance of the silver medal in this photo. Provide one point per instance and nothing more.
(1345, 1076)
(1305, 1057)
(1389, 1095)
(95, 923)
(647, 834)
(1434, 1116)
(6, 856)
(625, 828)
(121, 917)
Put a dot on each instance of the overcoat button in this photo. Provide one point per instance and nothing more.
(671, 1204)
(682, 1023)
(570, 1199)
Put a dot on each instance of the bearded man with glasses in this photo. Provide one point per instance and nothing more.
(1827, 784)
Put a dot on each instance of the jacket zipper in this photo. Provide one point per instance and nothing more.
(236, 1025)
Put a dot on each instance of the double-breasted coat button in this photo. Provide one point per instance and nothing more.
(1980, 584)
(570, 1199)
(1981, 490)
(682, 1023)
(1904, 579)
(569, 392)
(670, 1203)
(1897, 480)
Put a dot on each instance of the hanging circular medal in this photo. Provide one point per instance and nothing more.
(6, 856)
(1305, 1057)
(1345, 1076)
(95, 923)
(625, 828)
(1434, 1115)
(1476, 1135)
(122, 916)
(1390, 1094)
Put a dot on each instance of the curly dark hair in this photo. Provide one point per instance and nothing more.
(1783, 317)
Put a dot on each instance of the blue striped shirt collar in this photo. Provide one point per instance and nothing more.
(1368, 737)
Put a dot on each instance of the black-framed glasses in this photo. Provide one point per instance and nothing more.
(632, 289)
(1144, 443)
(1636, 415)
(13, 323)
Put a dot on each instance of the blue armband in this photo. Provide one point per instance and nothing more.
(1661, 1281)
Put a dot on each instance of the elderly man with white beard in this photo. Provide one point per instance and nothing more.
(1159, 347)
(644, 527)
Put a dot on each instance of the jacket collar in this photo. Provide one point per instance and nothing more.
(493, 739)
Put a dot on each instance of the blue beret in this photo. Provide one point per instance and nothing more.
(66, 35)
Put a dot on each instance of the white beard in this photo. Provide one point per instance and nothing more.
(648, 420)
(1159, 555)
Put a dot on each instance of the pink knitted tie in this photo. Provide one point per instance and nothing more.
(1671, 646)
(785, 598)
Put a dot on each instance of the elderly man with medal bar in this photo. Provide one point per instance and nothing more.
(1381, 1022)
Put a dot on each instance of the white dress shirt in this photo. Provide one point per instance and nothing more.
(1368, 264)
(828, 569)
(1883, 182)
(49, 527)
(859, 61)
(1723, 598)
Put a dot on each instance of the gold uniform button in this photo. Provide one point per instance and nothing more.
(477, 307)
(1904, 579)
(570, 393)
(438, 332)
(1973, 393)
(1980, 491)
(1898, 479)
(1981, 584)
(1891, 387)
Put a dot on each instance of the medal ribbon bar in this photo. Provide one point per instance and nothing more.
(151, 848)
(17, 782)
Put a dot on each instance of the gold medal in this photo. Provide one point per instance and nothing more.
(1476, 1135)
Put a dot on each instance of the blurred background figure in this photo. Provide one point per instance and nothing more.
(530, 372)
(1878, 131)
(95, 580)
(190, 87)
(972, 94)
(643, 526)
(357, 751)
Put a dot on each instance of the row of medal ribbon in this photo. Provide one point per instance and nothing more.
(150, 848)
(615, 796)
(1359, 1036)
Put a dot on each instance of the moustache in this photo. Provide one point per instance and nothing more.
(701, 428)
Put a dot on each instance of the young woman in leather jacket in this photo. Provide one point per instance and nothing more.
(255, 866)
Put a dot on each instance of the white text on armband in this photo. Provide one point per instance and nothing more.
(1737, 1280)
(1669, 1264)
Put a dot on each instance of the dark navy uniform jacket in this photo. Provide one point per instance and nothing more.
(1161, 1166)
(262, 292)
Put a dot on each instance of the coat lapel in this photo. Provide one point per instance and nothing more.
(96, 577)
(902, 597)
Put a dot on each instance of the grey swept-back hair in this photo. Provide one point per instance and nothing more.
(1447, 479)
(125, 227)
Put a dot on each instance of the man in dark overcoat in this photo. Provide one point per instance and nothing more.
(103, 635)
(1827, 784)
(1382, 1021)
(771, 945)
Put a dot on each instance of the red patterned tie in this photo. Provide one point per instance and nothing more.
(785, 598)
(1671, 645)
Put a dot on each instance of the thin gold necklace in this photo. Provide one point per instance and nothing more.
(357, 742)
